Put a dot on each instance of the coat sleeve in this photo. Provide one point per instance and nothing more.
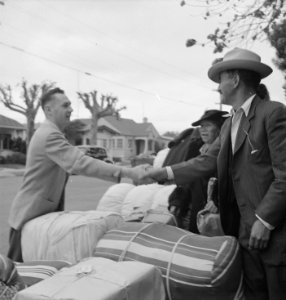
(72, 160)
(201, 166)
(272, 208)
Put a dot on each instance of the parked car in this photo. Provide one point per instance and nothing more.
(97, 152)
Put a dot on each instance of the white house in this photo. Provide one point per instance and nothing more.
(10, 129)
(123, 138)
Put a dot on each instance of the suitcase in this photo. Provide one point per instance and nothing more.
(100, 279)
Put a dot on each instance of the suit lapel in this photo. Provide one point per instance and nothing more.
(225, 140)
(244, 126)
(241, 133)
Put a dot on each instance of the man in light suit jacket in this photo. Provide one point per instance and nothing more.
(251, 166)
(50, 159)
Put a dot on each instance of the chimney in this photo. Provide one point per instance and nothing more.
(145, 120)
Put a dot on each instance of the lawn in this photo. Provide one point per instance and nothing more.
(82, 193)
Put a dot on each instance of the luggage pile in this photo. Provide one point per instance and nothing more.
(114, 258)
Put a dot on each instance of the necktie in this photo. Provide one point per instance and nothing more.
(236, 120)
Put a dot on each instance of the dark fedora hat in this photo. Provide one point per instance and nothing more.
(213, 115)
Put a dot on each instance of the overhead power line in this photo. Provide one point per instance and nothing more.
(112, 51)
(87, 73)
(116, 40)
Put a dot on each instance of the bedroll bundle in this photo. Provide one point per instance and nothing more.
(113, 198)
(193, 266)
(68, 236)
(100, 279)
(134, 203)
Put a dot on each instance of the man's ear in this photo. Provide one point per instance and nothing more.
(236, 79)
(47, 109)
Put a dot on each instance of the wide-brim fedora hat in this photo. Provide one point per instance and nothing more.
(213, 115)
(239, 59)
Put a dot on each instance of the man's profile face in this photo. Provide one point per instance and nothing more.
(60, 110)
(226, 87)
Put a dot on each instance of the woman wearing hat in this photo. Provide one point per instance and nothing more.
(187, 200)
(210, 124)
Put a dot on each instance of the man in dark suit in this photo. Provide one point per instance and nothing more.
(50, 159)
(251, 165)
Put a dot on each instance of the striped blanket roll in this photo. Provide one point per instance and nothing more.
(10, 281)
(33, 272)
(193, 266)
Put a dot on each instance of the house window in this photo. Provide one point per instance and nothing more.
(112, 144)
(104, 143)
(119, 143)
(130, 143)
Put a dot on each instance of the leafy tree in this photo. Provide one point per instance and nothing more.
(99, 109)
(277, 38)
(74, 131)
(30, 97)
(18, 145)
(245, 20)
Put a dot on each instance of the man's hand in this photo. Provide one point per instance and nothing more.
(259, 236)
(140, 174)
(157, 174)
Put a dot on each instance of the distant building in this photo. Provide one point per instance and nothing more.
(164, 140)
(10, 129)
(123, 138)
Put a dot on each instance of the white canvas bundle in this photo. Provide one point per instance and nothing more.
(68, 236)
(113, 198)
(100, 279)
(160, 158)
(161, 197)
(139, 198)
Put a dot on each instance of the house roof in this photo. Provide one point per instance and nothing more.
(6, 122)
(124, 126)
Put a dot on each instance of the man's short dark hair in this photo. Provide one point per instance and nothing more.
(49, 95)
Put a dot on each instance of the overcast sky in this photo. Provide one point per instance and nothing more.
(132, 49)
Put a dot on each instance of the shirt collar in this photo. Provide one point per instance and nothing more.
(245, 106)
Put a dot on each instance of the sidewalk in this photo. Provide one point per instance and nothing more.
(7, 170)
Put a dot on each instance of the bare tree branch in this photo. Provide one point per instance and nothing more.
(30, 97)
(107, 107)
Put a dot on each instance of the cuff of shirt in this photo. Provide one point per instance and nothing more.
(267, 225)
(170, 173)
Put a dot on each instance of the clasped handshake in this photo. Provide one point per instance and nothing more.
(146, 174)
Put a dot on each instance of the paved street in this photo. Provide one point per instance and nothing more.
(83, 193)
